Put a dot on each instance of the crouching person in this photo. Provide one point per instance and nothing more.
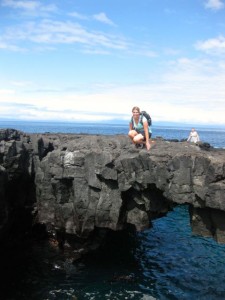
(140, 132)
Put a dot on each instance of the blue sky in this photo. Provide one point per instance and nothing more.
(93, 60)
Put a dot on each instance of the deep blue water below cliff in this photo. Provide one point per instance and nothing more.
(164, 262)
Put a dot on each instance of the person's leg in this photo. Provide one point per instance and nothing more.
(138, 139)
(132, 134)
(141, 140)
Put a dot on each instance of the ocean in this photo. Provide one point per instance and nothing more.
(164, 262)
(215, 136)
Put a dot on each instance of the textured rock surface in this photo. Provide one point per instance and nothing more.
(83, 185)
(17, 190)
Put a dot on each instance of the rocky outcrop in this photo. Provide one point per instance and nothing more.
(17, 189)
(81, 186)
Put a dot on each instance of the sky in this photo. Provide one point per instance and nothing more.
(93, 60)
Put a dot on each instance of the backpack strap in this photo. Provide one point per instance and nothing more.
(141, 119)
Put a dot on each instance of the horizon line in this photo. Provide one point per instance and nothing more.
(117, 122)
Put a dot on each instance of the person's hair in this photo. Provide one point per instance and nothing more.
(136, 108)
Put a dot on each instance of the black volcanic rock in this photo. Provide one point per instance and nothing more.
(81, 186)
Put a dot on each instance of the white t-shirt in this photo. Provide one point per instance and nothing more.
(193, 137)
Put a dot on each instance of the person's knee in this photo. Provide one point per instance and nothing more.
(132, 133)
(137, 139)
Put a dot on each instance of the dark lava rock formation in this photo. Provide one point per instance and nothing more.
(82, 186)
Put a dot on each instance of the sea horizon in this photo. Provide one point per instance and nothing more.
(215, 136)
(115, 122)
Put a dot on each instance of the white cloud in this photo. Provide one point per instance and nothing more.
(46, 33)
(5, 45)
(213, 46)
(101, 17)
(22, 84)
(186, 90)
(57, 32)
(214, 4)
(33, 7)
(28, 5)
(78, 16)
(189, 91)
(4, 92)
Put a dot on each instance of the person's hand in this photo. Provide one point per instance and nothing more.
(148, 145)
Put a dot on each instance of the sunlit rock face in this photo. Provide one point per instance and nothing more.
(81, 186)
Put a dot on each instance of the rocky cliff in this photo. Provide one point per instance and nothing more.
(82, 186)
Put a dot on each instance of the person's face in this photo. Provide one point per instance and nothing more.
(135, 113)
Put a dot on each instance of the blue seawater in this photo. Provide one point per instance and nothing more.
(164, 262)
(214, 136)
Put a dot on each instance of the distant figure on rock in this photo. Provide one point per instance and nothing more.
(193, 136)
(140, 132)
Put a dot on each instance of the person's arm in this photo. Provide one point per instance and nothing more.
(189, 138)
(147, 143)
(131, 126)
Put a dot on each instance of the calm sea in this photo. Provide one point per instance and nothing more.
(164, 262)
(214, 136)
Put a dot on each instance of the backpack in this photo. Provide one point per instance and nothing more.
(147, 116)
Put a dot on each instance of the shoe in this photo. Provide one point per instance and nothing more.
(139, 146)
